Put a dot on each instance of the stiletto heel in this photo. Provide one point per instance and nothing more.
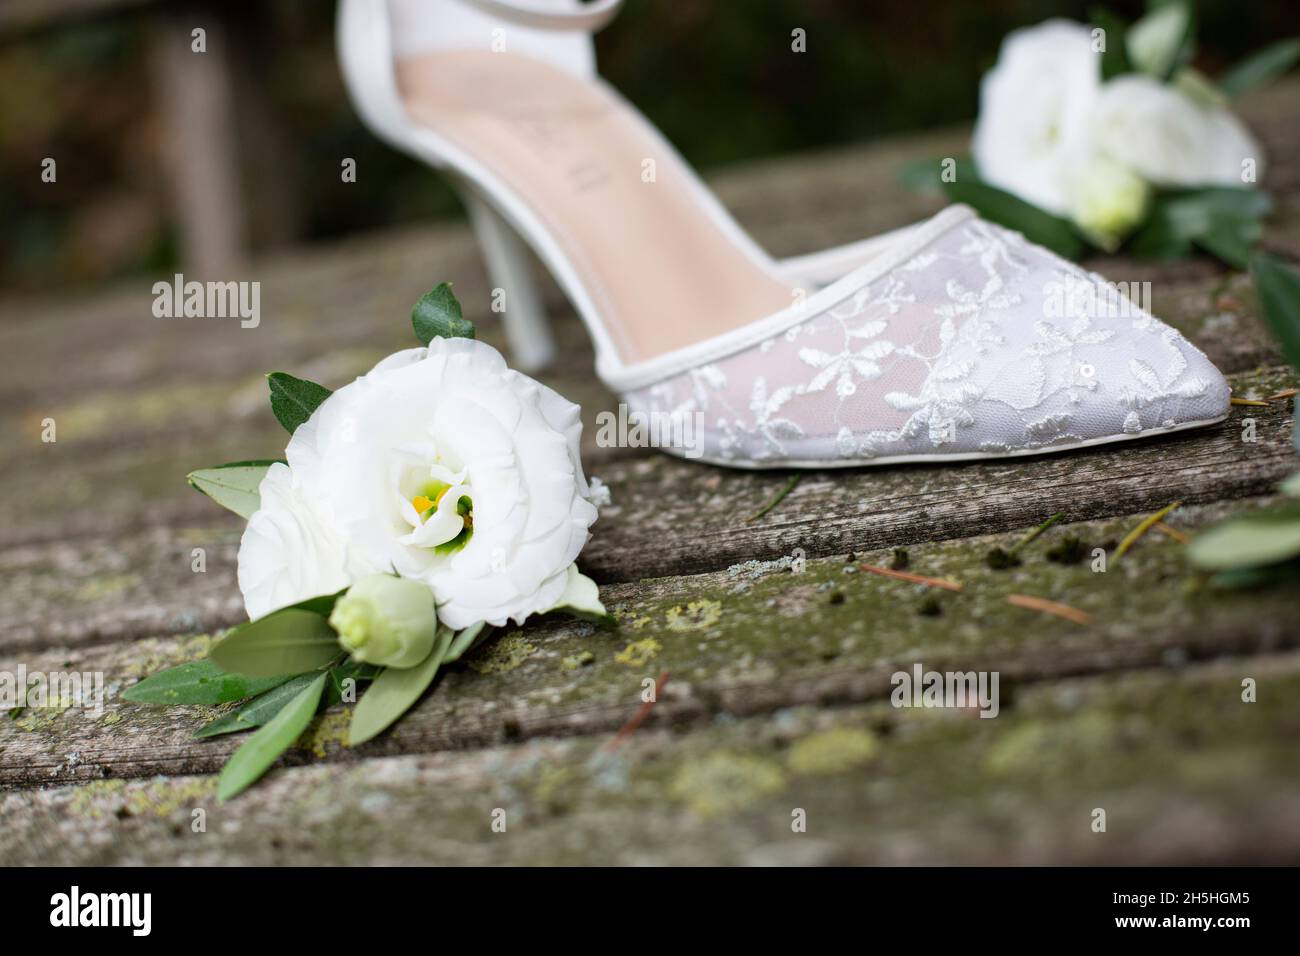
(949, 340)
(510, 271)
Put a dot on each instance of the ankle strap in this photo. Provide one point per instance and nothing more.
(590, 17)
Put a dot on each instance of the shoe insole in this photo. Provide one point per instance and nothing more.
(662, 273)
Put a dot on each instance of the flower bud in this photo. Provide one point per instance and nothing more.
(386, 620)
(1109, 200)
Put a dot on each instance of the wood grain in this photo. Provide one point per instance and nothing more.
(780, 672)
(1186, 772)
(750, 640)
(672, 516)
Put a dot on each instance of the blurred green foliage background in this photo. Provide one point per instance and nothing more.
(717, 76)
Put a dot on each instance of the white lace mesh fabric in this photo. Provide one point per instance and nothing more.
(981, 344)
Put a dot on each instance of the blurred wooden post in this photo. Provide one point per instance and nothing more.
(227, 157)
(272, 197)
(198, 125)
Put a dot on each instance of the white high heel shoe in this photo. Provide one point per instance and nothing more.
(951, 339)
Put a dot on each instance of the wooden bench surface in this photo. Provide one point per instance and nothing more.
(777, 697)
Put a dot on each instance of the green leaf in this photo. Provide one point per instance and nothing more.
(1244, 578)
(1224, 220)
(465, 641)
(198, 682)
(581, 598)
(294, 399)
(1278, 287)
(1291, 486)
(1162, 40)
(1114, 60)
(1007, 210)
(258, 710)
(257, 753)
(437, 316)
(1159, 238)
(232, 486)
(319, 605)
(1230, 242)
(1194, 212)
(354, 670)
(393, 693)
(926, 175)
(1255, 540)
(1262, 67)
(290, 641)
(1232, 202)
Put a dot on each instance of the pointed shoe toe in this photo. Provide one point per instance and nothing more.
(1154, 381)
(965, 342)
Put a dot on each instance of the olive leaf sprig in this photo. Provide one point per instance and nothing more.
(1263, 547)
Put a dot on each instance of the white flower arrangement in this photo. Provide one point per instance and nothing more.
(438, 494)
(1104, 136)
(1081, 129)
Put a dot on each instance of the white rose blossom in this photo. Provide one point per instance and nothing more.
(1168, 137)
(1050, 132)
(1033, 123)
(444, 466)
(289, 551)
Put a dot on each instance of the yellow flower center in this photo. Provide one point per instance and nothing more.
(423, 504)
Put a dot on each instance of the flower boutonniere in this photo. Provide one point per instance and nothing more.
(1105, 136)
(436, 497)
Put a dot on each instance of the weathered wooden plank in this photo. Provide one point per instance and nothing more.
(1186, 772)
(155, 581)
(671, 516)
(142, 400)
(139, 479)
(353, 294)
(748, 640)
(180, 380)
(166, 405)
(667, 517)
(213, 408)
(128, 450)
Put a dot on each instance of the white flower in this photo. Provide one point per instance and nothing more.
(1168, 137)
(289, 552)
(1034, 109)
(1107, 201)
(445, 466)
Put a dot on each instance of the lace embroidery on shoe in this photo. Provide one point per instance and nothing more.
(967, 347)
